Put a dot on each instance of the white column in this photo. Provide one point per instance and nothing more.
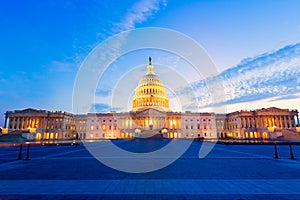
(18, 122)
(290, 121)
(284, 121)
(248, 122)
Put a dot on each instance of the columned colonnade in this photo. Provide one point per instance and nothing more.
(45, 124)
(265, 121)
(150, 123)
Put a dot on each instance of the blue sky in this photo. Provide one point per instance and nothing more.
(43, 43)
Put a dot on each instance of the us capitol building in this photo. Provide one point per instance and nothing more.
(151, 116)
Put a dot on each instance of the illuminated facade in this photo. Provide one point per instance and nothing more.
(147, 123)
(269, 123)
(42, 124)
(151, 116)
(150, 93)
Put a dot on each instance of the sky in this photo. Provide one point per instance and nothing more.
(254, 45)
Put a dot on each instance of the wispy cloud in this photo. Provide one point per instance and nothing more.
(102, 107)
(140, 12)
(59, 66)
(103, 93)
(272, 74)
(268, 75)
(285, 97)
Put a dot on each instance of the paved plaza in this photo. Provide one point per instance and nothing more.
(234, 171)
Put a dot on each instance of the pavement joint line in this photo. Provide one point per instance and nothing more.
(63, 153)
(11, 165)
(259, 156)
(31, 150)
(91, 145)
(141, 186)
(91, 157)
(245, 153)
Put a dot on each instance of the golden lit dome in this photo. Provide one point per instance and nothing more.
(150, 93)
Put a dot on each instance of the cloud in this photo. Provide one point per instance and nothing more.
(286, 97)
(272, 74)
(58, 66)
(140, 12)
(102, 108)
(103, 93)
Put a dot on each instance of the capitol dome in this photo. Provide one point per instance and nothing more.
(150, 93)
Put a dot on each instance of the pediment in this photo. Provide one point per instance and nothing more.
(29, 111)
(272, 109)
(150, 112)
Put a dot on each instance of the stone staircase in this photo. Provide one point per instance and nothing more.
(289, 134)
(149, 134)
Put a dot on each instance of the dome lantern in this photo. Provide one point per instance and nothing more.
(150, 67)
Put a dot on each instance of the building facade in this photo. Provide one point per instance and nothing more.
(47, 125)
(269, 123)
(151, 116)
(146, 124)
